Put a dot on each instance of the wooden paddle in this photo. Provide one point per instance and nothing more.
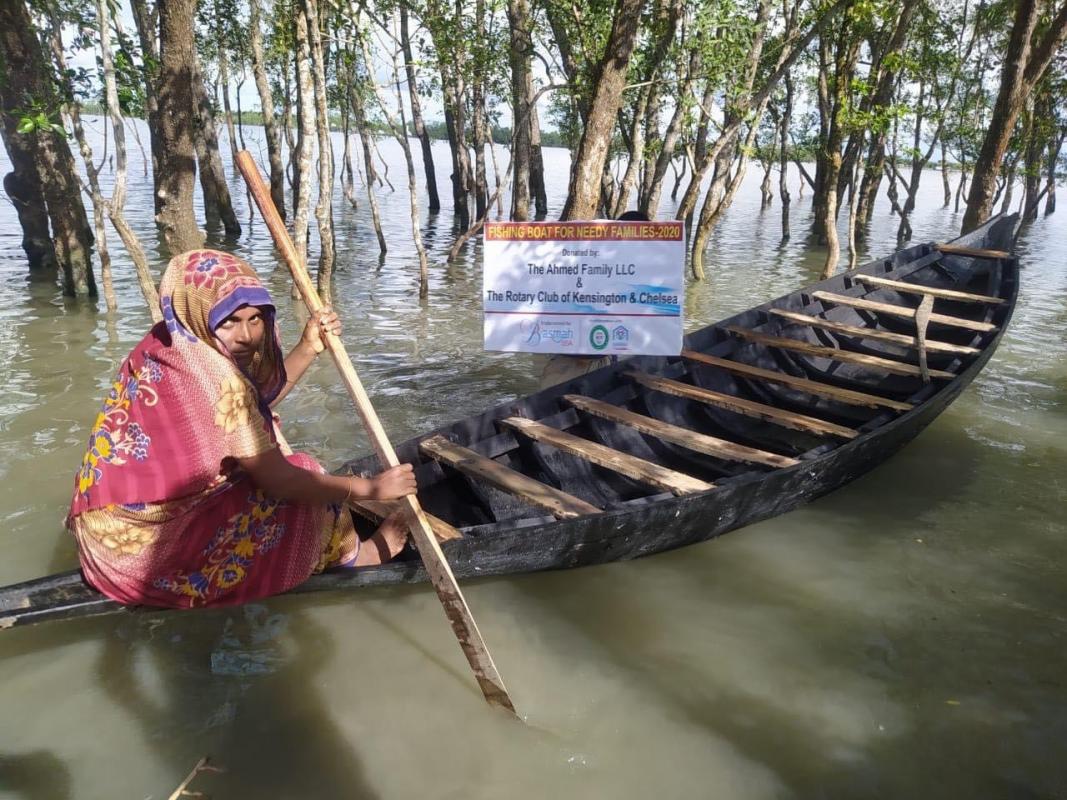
(459, 615)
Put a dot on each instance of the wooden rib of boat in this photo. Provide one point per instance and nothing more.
(762, 412)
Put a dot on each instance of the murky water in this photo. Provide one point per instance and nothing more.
(903, 637)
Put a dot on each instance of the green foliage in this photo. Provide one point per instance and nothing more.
(35, 120)
(130, 85)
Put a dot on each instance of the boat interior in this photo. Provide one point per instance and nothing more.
(764, 390)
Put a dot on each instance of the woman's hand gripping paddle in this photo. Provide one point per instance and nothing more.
(459, 615)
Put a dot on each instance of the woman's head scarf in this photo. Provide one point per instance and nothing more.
(201, 288)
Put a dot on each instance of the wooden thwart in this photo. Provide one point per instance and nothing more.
(749, 408)
(377, 510)
(870, 333)
(901, 311)
(625, 464)
(676, 434)
(932, 291)
(784, 343)
(559, 504)
(848, 396)
(973, 252)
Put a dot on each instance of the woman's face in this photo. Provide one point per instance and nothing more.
(242, 333)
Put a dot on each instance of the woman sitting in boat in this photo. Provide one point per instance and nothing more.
(188, 495)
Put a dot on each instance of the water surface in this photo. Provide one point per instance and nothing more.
(902, 637)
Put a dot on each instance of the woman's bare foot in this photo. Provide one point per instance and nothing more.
(385, 543)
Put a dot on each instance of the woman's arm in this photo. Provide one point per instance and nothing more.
(272, 473)
(308, 348)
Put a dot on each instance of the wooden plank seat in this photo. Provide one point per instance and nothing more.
(676, 434)
(973, 252)
(748, 408)
(849, 396)
(932, 291)
(556, 502)
(901, 311)
(378, 510)
(871, 333)
(820, 351)
(631, 466)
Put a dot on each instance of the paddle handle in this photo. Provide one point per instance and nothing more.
(448, 591)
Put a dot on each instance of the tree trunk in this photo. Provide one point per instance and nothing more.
(456, 126)
(92, 172)
(945, 185)
(718, 197)
(348, 184)
(27, 80)
(645, 130)
(224, 85)
(399, 128)
(478, 122)
(147, 23)
(853, 197)
(521, 104)
(700, 157)
(1035, 142)
(118, 194)
(871, 181)
(823, 153)
(1009, 187)
(287, 122)
(481, 139)
(783, 157)
(359, 116)
(212, 175)
(678, 175)
(240, 115)
(537, 167)
(266, 101)
(646, 173)
(23, 188)
(416, 114)
(1024, 64)
(177, 165)
(1054, 147)
(324, 207)
(766, 192)
(305, 97)
(637, 151)
(887, 70)
(847, 51)
(917, 164)
(722, 191)
(648, 203)
(583, 195)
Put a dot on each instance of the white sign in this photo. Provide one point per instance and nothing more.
(584, 288)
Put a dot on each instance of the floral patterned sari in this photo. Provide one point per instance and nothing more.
(162, 513)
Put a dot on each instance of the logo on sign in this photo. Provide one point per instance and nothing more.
(620, 334)
(598, 337)
(559, 333)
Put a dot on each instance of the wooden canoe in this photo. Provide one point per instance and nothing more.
(761, 413)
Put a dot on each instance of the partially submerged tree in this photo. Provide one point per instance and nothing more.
(583, 194)
(177, 159)
(1038, 30)
(37, 144)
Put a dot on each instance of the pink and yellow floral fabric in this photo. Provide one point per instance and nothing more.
(161, 511)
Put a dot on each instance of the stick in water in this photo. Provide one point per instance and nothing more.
(459, 615)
